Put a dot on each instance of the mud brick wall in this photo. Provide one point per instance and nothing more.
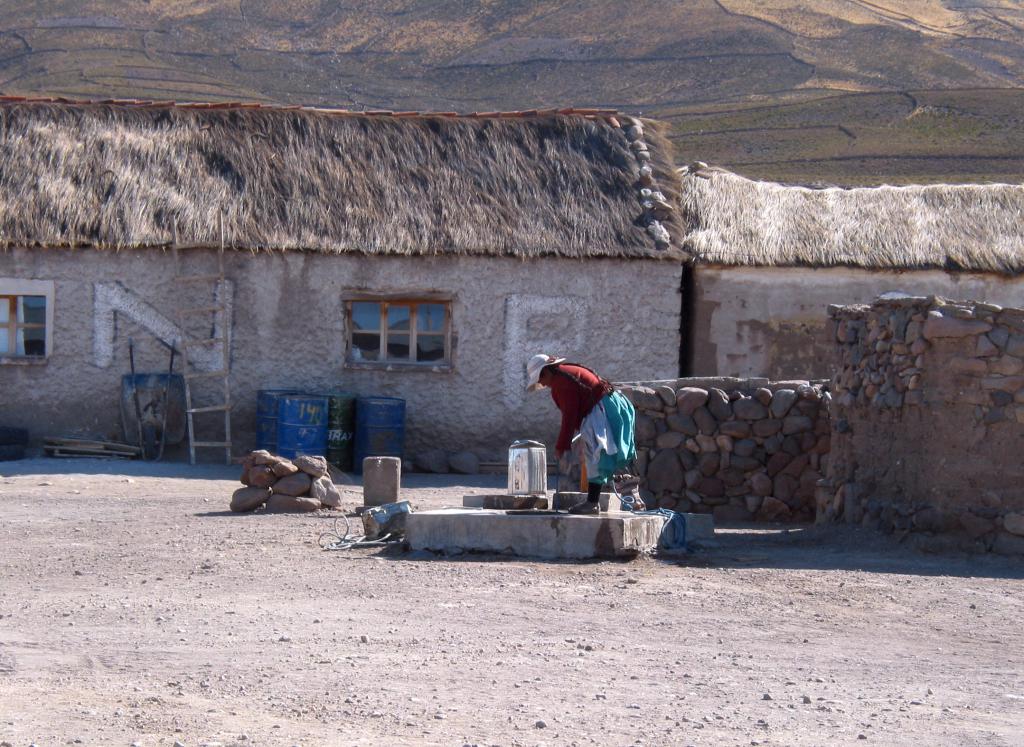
(742, 449)
(928, 422)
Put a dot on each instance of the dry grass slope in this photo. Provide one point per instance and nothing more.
(827, 137)
(662, 58)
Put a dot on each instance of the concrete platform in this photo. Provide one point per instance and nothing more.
(538, 535)
(698, 526)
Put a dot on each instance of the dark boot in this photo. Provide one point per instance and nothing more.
(592, 504)
(585, 508)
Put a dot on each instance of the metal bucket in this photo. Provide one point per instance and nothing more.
(527, 468)
(301, 425)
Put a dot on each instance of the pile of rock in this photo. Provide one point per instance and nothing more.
(741, 449)
(928, 421)
(285, 485)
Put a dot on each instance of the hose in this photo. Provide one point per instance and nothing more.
(335, 540)
(673, 536)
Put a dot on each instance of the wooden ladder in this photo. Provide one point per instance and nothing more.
(189, 343)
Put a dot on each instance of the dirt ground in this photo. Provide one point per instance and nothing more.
(134, 609)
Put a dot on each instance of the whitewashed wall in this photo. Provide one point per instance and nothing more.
(765, 321)
(287, 327)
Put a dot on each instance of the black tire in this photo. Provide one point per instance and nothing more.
(9, 453)
(13, 436)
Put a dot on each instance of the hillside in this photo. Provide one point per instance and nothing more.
(775, 91)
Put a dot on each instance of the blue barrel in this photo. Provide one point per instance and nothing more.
(380, 428)
(301, 425)
(266, 417)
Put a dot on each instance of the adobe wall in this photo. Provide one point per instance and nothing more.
(287, 328)
(770, 321)
(928, 422)
(741, 449)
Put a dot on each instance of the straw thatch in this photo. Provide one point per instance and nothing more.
(736, 221)
(118, 176)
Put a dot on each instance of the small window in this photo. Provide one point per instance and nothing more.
(26, 319)
(399, 332)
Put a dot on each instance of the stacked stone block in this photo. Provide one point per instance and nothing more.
(741, 449)
(284, 485)
(928, 422)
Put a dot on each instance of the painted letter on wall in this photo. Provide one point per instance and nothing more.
(113, 298)
(538, 324)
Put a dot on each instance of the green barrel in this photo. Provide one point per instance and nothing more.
(341, 425)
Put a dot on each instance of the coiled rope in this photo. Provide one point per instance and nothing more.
(335, 540)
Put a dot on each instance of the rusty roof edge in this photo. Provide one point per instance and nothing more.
(588, 112)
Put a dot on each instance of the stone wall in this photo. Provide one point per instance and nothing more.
(742, 449)
(928, 422)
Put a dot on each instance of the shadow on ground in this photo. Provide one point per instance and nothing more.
(46, 466)
(836, 547)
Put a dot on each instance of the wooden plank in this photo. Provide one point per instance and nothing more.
(211, 408)
(91, 444)
(90, 452)
(74, 447)
(100, 455)
(68, 450)
(72, 440)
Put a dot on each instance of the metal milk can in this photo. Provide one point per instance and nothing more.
(527, 468)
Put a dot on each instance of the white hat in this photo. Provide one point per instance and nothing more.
(533, 368)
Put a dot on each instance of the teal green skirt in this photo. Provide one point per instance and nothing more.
(621, 424)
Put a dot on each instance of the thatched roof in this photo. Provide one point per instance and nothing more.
(126, 174)
(736, 221)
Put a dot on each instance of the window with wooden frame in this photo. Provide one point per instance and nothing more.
(386, 332)
(26, 319)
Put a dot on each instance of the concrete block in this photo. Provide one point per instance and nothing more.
(541, 535)
(382, 478)
(566, 499)
(505, 502)
(610, 504)
(699, 527)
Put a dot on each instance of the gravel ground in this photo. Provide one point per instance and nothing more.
(135, 609)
